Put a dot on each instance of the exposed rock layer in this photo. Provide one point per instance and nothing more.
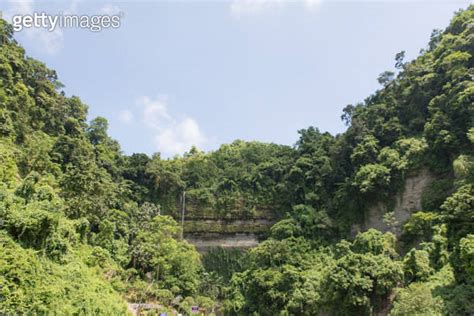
(238, 233)
(205, 241)
(403, 204)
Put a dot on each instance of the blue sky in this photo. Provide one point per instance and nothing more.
(209, 72)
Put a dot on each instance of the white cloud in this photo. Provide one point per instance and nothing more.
(240, 8)
(126, 116)
(155, 112)
(170, 135)
(180, 137)
(110, 9)
(312, 4)
(247, 7)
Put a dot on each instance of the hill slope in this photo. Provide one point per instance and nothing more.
(80, 228)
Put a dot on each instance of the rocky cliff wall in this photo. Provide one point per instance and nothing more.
(211, 233)
(403, 204)
(205, 241)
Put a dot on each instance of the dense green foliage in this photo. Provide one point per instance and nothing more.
(74, 238)
(85, 228)
(421, 119)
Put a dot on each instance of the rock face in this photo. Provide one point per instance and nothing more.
(205, 234)
(205, 241)
(403, 204)
(223, 226)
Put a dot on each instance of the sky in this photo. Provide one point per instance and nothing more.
(205, 73)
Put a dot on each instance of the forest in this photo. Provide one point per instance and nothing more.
(86, 229)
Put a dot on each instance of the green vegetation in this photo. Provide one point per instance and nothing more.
(85, 228)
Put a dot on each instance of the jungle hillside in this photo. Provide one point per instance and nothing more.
(88, 230)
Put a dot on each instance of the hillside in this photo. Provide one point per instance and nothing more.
(85, 229)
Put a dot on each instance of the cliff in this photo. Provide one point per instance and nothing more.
(403, 204)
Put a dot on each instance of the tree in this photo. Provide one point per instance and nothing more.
(360, 283)
(417, 299)
(156, 252)
(466, 246)
(399, 64)
(372, 177)
(385, 78)
(416, 265)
